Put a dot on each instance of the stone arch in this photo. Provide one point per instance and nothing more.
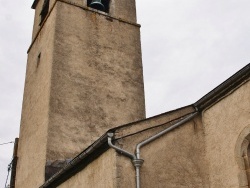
(242, 153)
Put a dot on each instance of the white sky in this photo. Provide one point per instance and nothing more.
(189, 47)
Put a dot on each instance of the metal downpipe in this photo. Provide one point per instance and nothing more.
(137, 176)
(136, 162)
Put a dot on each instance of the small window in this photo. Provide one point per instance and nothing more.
(44, 11)
(102, 5)
(38, 59)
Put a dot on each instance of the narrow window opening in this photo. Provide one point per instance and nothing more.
(38, 59)
(102, 5)
(44, 11)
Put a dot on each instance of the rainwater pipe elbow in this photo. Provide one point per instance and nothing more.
(120, 150)
(136, 162)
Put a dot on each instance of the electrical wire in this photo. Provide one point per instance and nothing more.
(7, 143)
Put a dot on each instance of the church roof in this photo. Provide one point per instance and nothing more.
(101, 145)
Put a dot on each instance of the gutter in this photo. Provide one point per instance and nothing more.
(135, 158)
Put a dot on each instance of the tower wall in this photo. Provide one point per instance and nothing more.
(96, 79)
(35, 109)
(84, 76)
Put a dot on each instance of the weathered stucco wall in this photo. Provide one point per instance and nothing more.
(201, 153)
(175, 160)
(97, 80)
(35, 110)
(101, 173)
(223, 124)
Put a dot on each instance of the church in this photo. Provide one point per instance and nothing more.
(83, 117)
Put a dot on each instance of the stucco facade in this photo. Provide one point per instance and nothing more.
(84, 105)
(102, 173)
(35, 110)
(174, 160)
(224, 122)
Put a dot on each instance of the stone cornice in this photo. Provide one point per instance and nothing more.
(108, 17)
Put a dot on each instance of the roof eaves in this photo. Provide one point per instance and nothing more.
(223, 89)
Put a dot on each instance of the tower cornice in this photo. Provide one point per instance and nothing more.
(108, 17)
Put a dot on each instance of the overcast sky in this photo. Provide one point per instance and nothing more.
(189, 47)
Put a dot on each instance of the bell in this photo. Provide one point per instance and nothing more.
(97, 4)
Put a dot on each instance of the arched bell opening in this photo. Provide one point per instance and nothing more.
(101, 5)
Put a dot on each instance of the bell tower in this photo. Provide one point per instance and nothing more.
(84, 76)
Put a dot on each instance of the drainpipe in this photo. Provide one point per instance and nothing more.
(136, 160)
(122, 151)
